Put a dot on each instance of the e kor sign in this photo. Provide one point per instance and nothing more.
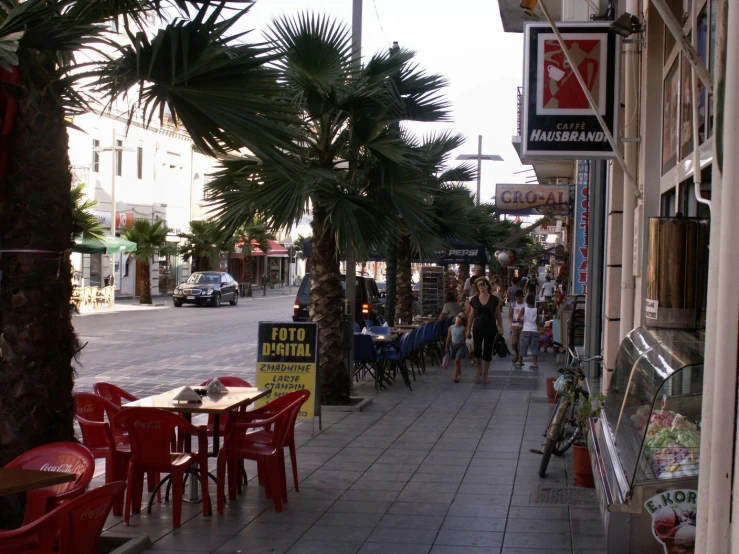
(558, 121)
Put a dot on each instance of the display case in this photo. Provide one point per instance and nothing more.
(432, 290)
(645, 447)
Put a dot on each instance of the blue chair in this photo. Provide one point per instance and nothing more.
(380, 320)
(394, 358)
(378, 330)
(416, 355)
(357, 328)
(365, 357)
(369, 323)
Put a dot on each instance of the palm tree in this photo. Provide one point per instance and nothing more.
(254, 234)
(349, 117)
(214, 84)
(151, 239)
(85, 225)
(201, 246)
(299, 244)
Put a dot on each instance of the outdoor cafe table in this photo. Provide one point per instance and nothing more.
(215, 404)
(13, 481)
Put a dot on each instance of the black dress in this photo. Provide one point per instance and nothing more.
(484, 327)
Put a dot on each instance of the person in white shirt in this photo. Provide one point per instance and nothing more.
(469, 283)
(530, 333)
(547, 289)
(517, 304)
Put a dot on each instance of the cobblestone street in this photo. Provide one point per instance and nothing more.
(149, 350)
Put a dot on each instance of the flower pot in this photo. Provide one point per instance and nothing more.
(583, 469)
(551, 393)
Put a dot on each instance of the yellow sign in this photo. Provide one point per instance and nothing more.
(287, 361)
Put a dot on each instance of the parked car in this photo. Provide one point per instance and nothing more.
(368, 304)
(207, 287)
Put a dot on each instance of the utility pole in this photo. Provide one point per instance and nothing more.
(479, 157)
(351, 260)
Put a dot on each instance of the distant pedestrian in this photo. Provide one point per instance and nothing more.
(531, 286)
(514, 311)
(451, 307)
(483, 326)
(530, 333)
(511, 293)
(456, 344)
(547, 289)
(469, 287)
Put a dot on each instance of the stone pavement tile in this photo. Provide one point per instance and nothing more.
(286, 516)
(355, 506)
(341, 464)
(429, 494)
(454, 523)
(446, 549)
(411, 521)
(549, 541)
(538, 512)
(307, 504)
(584, 514)
(418, 508)
(315, 492)
(500, 488)
(455, 537)
(373, 496)
(537, 526)
(495, 499)
(378, 484)
(385, 548)
(191, 543)
(403, 536)
(477, 510)
(273, 545)
(588, 542)
(588, 527)
(521, 500)
(339, 534)
(348, 519)
(331, 479)
(323, 547)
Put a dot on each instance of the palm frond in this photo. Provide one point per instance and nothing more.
(151, 239)
(85, 224)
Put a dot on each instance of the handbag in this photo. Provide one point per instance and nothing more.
(500, 348)
(445, 361)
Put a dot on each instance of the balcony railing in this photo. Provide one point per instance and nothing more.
(519, 109)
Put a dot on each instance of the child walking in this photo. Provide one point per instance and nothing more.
(517, 306)
(456, 345)
(530, 334)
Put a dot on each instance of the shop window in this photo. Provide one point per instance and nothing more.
(670, 118)
(95, 270)
(702, 45)
(712, 62)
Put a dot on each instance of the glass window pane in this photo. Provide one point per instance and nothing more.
(119, 158)
(95, 156)
(702, 40)
(686, 109)
(139, 162)
(669, 118)
(712, 63)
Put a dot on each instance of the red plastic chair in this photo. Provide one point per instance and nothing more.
(67, 457)
(113, 393)
(268, 455)
(150, 431)
(104, 439)
(265, 435)
(73, 527)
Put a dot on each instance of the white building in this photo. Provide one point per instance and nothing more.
(159, 174)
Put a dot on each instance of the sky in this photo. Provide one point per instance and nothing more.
(461, 39)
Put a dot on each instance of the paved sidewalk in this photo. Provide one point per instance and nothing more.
(444, 469)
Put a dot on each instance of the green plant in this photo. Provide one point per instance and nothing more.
(586, 407)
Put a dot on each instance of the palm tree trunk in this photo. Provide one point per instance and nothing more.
(405, 289)
(38, 341)
(145, 283)
(326, 308)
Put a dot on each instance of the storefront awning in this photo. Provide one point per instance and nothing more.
(276, 250)
(108, 245)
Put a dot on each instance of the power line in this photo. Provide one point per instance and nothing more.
(377, 13)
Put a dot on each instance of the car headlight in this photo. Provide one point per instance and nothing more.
(208, 292)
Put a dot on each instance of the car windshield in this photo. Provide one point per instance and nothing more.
(204, 279)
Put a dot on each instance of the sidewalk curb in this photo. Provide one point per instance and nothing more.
(358, 407)
(128, 545)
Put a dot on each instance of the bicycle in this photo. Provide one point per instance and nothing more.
(563, 429)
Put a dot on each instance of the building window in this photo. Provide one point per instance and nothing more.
(670, 118)
(119, 158)
(140, 162)
(95, 156)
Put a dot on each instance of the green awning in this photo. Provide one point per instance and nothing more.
(108, 245)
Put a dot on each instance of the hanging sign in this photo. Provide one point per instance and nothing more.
(558, 121)
(287, 361)
(582, 213)
(521, 199)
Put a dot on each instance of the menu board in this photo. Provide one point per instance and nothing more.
(432, 290)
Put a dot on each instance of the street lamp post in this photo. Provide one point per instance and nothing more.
(479, 157)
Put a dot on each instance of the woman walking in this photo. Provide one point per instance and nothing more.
(484, 321)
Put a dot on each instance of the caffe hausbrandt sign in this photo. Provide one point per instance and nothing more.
(558, 121)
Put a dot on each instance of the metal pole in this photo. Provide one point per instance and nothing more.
(593, 106)
(351, 260)
(114, 163)
(479, 166)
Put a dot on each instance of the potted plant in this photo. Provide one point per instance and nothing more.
(585, 409)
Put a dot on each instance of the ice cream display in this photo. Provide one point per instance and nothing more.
(672, 446)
